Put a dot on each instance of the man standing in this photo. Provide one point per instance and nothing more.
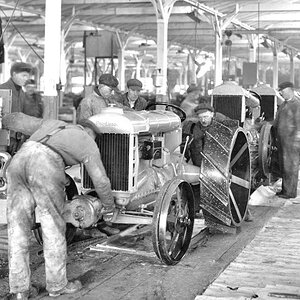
(287, 126)
(36, 181)
(101, 97)
(19, 74)
(132, 98)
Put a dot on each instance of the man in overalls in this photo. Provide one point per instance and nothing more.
(36, 181)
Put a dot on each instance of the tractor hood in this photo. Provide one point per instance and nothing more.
(117, 120)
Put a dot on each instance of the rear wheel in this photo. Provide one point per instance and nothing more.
(71, 191)
(173, 221)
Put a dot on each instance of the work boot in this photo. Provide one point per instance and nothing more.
(17, 296)
(33, 293)
(70, 288)
(283, 195)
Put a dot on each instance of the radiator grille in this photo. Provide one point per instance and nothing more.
(268, 107)
(114, 150)
(228, 105)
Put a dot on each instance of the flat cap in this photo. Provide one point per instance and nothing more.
(134, 84)
(109, 80)
(284, 85)
(202, 107)
(19, 67)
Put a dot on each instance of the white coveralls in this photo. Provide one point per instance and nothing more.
(36, 180)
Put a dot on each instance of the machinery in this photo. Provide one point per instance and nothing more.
(255, 110)
(152, 183)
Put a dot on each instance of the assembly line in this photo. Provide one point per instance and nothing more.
(142, 186)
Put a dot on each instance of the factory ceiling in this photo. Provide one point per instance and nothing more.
(268, 25)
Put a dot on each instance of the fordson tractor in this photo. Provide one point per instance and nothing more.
(153, 184)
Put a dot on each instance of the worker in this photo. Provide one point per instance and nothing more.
(197, 128)
(36, 182)
(287, 128)
(197, 125)
(33, 105)
(19, 74)
(101, 97)
(132, 97)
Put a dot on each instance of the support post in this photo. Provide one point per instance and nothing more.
(275, 66)
(52, 57)
(122, 41)
(163, 10)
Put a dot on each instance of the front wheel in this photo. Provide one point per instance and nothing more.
(173, 221)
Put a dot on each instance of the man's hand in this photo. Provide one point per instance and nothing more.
(109, 212)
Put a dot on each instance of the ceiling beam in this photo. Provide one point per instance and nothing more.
(77, 2)
(131, 10)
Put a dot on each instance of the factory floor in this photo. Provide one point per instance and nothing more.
(260, 259)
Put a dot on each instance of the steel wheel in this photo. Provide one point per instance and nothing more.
(265, 148)
(225, 175)
(71, 191)
(239, 179)
(173, 221)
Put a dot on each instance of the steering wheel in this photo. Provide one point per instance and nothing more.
(178, 111)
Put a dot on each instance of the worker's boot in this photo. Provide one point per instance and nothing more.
(32, 293)
(17, 296)
(70, 288)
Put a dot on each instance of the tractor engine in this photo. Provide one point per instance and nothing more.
(139, 150)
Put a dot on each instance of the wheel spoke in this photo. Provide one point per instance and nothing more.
(238, 155)
(173, 221)
(235, 205)
(173, 243)
(240, 181)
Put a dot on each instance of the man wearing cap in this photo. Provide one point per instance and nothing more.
(101, 97)
(36, 181)
(132, 98)
(287, 128)
(197, 125)
(19, 74)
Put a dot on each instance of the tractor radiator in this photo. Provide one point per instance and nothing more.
(115, 154)
(268, 107)
(230, 106)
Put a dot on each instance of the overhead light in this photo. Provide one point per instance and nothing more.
(228, 43)
(228, 33)
(285, 51)
(298, 55)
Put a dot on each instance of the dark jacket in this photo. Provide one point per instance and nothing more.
(18, 95)
(287, 127)
(140, 104)
(33, 105)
